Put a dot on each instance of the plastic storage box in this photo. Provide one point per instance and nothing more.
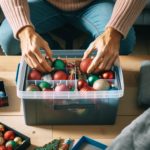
(69, 107)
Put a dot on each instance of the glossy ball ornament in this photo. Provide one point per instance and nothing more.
(2, 94)
(9, 148)
(85, 64)
(59, 64)
(1, 140)
(113, 87)
(2, 128)
(86, 88)
(61, 87)
(108, 75)
(9, 135)
(11, 143)
(101, 84)
(2, 147)
(47, 77)
(34, 75)
(32, 87)
(60, 75)
(18, 140)
(44, 85)
(92, 79)
(81, 83)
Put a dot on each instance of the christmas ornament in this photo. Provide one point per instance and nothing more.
(11, 143)
(9, 135)
(66, 144)
(85, 64)
(9, 148)
(34, 75)
(108, 75)
(47, 77)
(60, 75)
(2, 128)
(86, 88)
(32, 87)
(81, 83)
(2, 94)
(18, 140)
(113, 87)
(44, 85)
(92, 79)
(2, 147)
(1, 140)
(101, 84)
(59, 64)
(61, 87)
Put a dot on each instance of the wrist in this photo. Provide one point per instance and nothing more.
(113, 33)
(26, 31)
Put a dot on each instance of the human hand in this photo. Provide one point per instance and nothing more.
(107, 46)
(31, 42)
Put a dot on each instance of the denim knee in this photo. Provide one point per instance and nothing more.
(9, 45)
(127, 45)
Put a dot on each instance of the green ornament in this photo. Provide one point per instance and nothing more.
(59, 64)
(44, 85)
(11, 143)
(92, 79)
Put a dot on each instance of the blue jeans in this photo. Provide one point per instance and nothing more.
(45, 17)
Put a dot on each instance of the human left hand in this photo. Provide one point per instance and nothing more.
(107, 46)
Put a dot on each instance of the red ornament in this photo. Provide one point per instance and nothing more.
(2, 147)
(9, 148)
(87, 88)
(60, 75)
(61, 87)
(108, 75)
(34, 75)
(85, 64)
(81, 83)
(9, 135)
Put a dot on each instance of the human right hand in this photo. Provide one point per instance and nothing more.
(31, 42)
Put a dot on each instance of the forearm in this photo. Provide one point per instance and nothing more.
(17, 14)
(124, 14)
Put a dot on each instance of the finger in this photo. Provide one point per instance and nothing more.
(42, 61)
(88, 51)
(95, 62)
(47, 49)
(27, 60)
(35, 62)
(104, 63)
(111, 62)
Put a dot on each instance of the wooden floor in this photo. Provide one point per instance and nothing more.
(128, 109)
